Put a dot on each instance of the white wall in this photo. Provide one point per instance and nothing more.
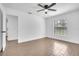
(12, 26)
(30, 27)
(49, 25)
(72, 19)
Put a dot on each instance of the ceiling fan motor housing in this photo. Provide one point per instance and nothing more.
(46, 6)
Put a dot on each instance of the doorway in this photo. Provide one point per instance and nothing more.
(12, 27)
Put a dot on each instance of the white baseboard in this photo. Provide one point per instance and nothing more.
(10, 38)
(72, 41)
(25, 40)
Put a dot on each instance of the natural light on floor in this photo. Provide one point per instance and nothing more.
(60, 49)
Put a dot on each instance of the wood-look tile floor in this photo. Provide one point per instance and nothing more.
(41, 47)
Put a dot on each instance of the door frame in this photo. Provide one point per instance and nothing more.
(1, 25)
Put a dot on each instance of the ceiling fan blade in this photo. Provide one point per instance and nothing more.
(52, 9)
(40, 10)
(51, 5)
(40, 5)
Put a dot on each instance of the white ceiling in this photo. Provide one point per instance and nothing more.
(32, 7)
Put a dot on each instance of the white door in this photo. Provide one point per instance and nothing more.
(2, 31)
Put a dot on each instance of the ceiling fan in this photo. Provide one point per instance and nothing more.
(46, 7)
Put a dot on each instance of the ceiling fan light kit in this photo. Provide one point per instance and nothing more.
(45, 12)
